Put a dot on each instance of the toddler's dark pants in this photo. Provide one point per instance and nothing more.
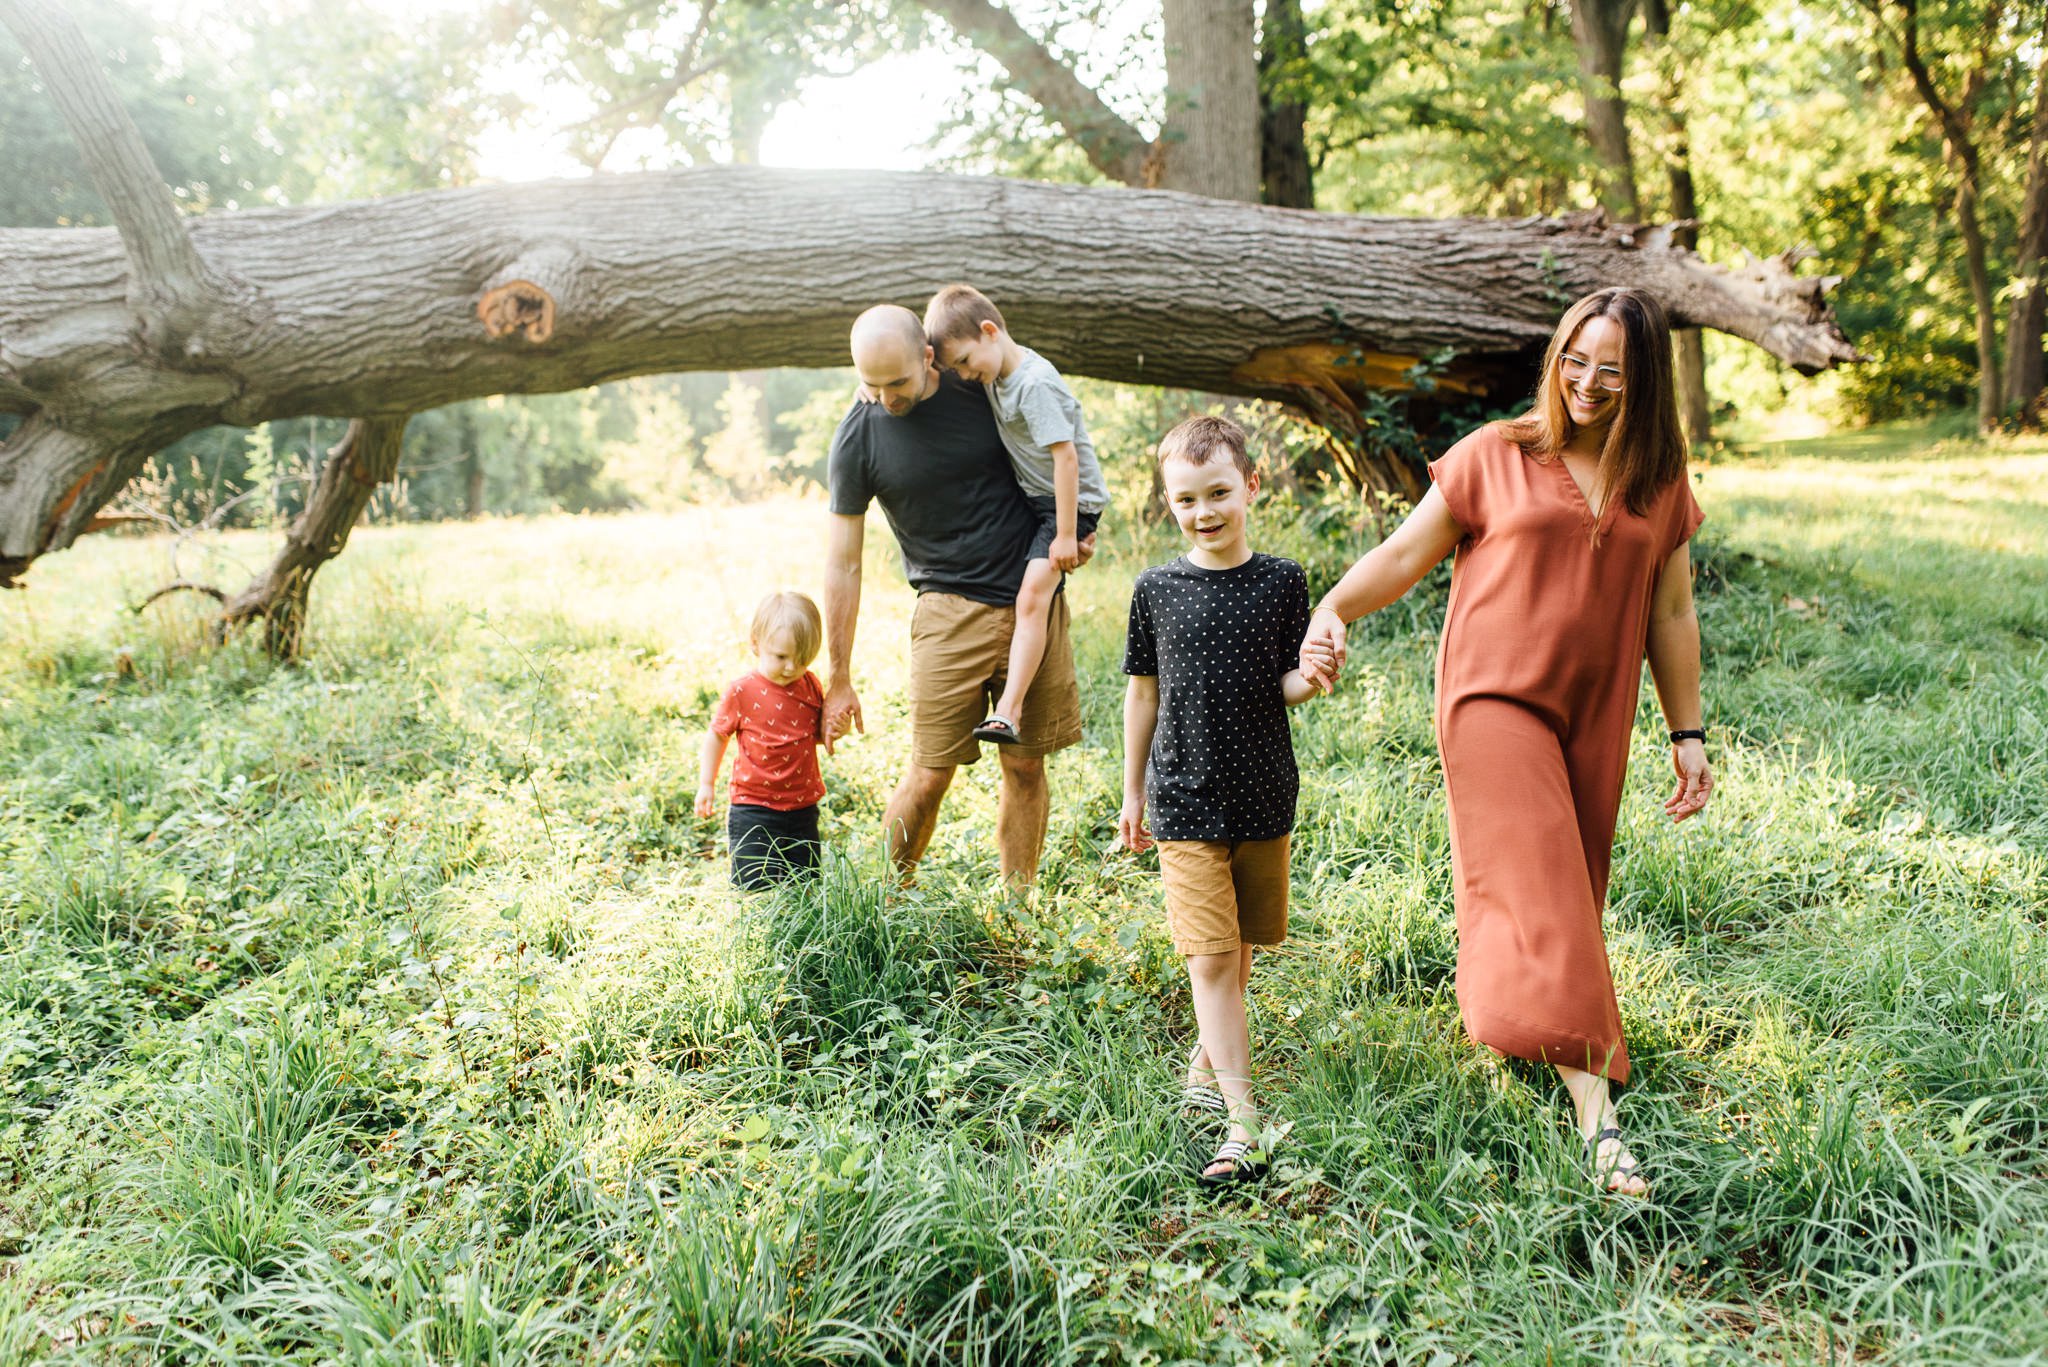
(770, 846)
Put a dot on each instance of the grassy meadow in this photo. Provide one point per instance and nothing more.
(393, 1008)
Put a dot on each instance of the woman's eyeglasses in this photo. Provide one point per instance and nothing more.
(1575, 367)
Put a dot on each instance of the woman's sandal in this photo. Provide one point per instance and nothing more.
(1605, 1178)
(1243, 1168)
(998, 731)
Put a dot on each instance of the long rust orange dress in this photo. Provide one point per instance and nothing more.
(1537, 678)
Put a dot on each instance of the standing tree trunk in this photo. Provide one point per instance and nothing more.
(1691, 352)
(2023, 327)
(1982, 299)
(1211, 133)
(1285, 176)
(1959, 150)
(1600, 34)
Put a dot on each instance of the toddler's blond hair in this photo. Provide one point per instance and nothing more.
(795, 611)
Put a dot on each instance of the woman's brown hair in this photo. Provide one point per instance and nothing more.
(1645, 447)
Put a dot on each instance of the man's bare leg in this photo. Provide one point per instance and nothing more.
(1021, 812)
(913, 813)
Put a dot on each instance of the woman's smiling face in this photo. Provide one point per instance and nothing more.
(1591, 357)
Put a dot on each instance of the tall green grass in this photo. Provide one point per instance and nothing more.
(393, 1008)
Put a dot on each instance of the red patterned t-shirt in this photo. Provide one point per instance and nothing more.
(778, 729)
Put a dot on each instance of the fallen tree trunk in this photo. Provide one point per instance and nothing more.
(392, 306)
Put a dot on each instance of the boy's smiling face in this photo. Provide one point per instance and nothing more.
(1211, 502)
(977, 359)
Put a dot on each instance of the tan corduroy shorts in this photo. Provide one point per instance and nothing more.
(959, 660)
(1221, 894)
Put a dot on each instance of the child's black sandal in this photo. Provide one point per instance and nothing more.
(1235, 1152)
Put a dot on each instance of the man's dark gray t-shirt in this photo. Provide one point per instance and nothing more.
(945, 485)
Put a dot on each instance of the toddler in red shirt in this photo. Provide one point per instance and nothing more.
(775, 712)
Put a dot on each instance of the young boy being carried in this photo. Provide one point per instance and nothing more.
(1055, 463)
(1213, 656)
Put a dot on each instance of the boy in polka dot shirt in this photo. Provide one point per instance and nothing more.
(1213, 654)
(775, 712)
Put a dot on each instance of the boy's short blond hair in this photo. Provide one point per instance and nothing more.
(1197, 441)
(956, 314)
(795, 611)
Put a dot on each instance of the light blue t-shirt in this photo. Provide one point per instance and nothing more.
(1034, 408)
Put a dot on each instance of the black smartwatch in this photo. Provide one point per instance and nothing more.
(1690, 733)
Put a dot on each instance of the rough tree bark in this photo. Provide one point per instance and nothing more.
(1211, 131)
(1600, 35)
(393, 306)
(1285, 176)
(1689, 345)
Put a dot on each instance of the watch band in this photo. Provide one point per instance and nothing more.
(1697, 733)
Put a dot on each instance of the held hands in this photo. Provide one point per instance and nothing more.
(1065, 553)
(1322, 649)
(842, 713)
(1131, 831)
(1695, 780)
(1319, 665)
(707, 803)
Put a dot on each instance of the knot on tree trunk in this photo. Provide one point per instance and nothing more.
(528, 295)
(517, 306)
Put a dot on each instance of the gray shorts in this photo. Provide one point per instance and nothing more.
(1048, 510)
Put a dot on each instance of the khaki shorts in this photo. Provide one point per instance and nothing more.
(1221, 894)
(959, 659)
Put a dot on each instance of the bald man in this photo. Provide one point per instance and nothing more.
(929, 452)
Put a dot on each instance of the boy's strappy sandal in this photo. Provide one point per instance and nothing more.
(998, 730)
(1243, 1167)
(1203, 1105)
(1605, 1179)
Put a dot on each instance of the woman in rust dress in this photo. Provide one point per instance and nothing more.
(1570, 527)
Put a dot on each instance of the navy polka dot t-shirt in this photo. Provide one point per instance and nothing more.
(1220, 641)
